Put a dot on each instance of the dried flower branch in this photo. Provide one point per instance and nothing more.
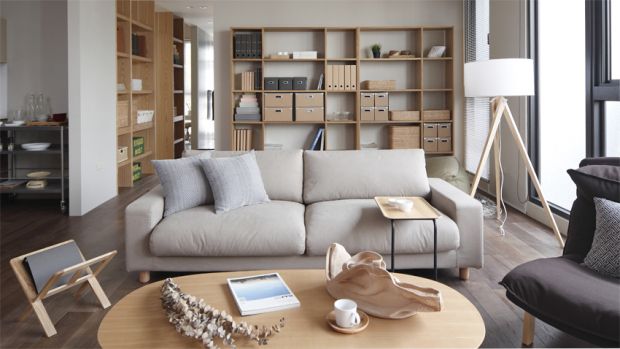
(194, 318)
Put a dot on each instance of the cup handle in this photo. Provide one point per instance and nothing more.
(355, 319)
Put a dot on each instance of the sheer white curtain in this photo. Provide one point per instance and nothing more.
(477, 110)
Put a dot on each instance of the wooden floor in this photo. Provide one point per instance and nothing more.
(27, 226)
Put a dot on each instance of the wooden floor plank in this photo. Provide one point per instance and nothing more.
(29, 225)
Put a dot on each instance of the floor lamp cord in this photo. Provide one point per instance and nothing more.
(503, 212)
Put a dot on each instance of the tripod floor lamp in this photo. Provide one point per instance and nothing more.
(499, 78)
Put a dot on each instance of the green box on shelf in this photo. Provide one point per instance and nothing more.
(138, 146)
(137, 171)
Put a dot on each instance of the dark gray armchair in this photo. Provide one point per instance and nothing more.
(563, 292)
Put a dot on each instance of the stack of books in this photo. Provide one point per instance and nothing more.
(250, 80)
(247, 109)
(247, 45)
(262, 293)
(242, 139)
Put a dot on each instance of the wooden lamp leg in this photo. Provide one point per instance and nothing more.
(528, 329)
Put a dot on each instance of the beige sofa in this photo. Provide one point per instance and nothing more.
(316, 198)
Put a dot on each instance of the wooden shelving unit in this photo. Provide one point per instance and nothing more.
(423, 84)
(135, 17)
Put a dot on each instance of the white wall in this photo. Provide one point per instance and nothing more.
(329, 13)
(92, 101)
(36, 51)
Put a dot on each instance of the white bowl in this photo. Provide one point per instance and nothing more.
(404, 205)
(36, 146)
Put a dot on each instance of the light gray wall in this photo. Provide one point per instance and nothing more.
(329, 13)
(36, 51)
(92, 101)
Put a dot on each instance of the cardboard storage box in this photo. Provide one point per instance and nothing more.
(285, 84)
(404, 137)
(404, 115)
(367, 99)
(309, 114)
(122, 154)
(278, 100)
(444, 130)
(271, 83)
(138, 146)
(300, 83)
(381, 99)
(430, 144)
(308, 100)
(381, 113)
(367, 114)
(436, 115)
(278, 114)
(378, 84)
(444, 145)
(430, 130)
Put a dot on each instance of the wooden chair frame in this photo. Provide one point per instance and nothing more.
(88, 278)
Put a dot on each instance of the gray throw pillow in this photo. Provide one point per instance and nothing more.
(604, 255)
(184, 182)
(235, 181)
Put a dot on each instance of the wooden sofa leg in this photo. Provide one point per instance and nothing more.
(464, 274)
(528, 329)
(145, 277)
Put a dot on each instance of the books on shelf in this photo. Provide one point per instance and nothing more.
(261, 294)
(318, 143)
(247, 108)
(250, 80)
(247, 44)
(242, 139)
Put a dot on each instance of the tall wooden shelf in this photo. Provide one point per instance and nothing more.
(422, 83)
(135, 16)
(170, 109)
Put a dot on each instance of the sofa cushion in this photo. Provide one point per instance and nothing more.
(604, 256)
(358, 225)
(568, 294)
(235, 181)
(282, 172)
(336, 175)
(275, 228)
(592, 181)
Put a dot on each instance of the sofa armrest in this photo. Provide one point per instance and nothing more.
(466, 212)
(141, 216)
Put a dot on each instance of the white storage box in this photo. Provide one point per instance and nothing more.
(144, 116)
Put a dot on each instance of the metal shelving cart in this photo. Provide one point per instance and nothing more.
(15, 164)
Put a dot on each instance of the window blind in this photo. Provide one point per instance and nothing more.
(477, 110)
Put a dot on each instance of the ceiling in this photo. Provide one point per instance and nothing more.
(197, 12)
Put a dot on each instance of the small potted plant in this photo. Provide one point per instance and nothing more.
(376, 50)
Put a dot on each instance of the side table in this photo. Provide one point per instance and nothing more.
(421, 210)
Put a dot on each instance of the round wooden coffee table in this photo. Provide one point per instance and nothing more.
(138, 320)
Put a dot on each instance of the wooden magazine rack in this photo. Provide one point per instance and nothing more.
(81, 274)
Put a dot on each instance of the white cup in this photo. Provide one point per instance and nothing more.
(346, 313)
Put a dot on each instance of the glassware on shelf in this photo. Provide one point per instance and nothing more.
(41, 108)
(29, 108)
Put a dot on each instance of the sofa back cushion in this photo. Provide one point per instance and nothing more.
(282, 172)
(358, 174)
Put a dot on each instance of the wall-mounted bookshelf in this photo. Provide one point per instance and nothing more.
(170, 77)
(135, 21)
(423, 85)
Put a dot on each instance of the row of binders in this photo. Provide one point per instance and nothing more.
(247, 45)
(250, 80)
(242, 139)
(247, 109)
(341, 77)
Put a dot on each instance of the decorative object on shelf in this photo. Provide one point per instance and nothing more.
(176, 56)
(192, 317)
(36, 146)
(16, 123)
(364, 279)
(120, 87)
(305, 55)
(122, 154)
(38, 174)
(436, 51)
(280, 55)
(498, 78)
(144, 116)
(36, 184)
(379, 84)
(376, 50)
(136, 84)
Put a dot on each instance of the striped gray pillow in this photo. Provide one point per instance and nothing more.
(604, 255)
(184, 183)
(235, 181)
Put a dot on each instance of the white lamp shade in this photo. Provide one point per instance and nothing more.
(499, 77)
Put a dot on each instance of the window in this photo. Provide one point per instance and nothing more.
(569, 122)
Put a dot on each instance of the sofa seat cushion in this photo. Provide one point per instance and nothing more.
(275, 228)
(358, 225)
(567, 294)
